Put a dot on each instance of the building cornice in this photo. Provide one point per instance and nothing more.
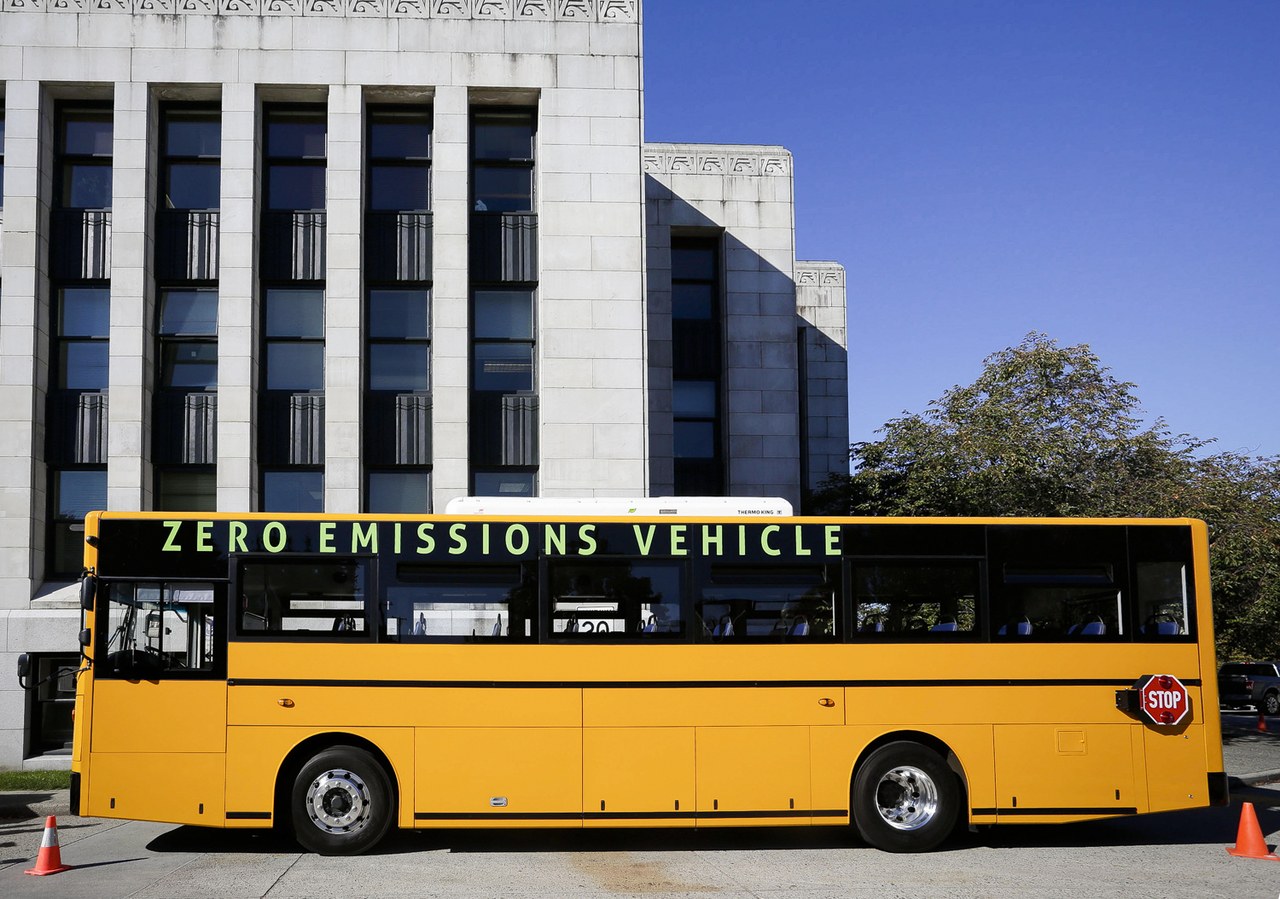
(716, 159)
(588, 11)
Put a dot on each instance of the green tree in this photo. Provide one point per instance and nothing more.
(1048, 431)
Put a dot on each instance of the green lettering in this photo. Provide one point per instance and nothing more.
(204, 536)
(678, 532)
(326, 536)
(708, 540)
(428, 542)
(364, 539)
(768, 548)
(484, 539)
(457, 533)
(523, 532)
(833, 539)
(397, 538)
(169, 545)
(585, 534)
(238, 531)
(281, 535)
(742, 540)
(554, 540)
(801, 549)
(644, 542)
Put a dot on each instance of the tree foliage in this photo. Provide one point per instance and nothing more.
(1048, 431)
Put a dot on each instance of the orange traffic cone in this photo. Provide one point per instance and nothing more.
(49, 861)
(1262, 722)
(1249, 841)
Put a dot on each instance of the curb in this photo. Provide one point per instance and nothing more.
(1255, 779)
(22, 805)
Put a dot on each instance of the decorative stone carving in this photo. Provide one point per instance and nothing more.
(111, 6)
(322, 8)
(409, 9)
(534, 9)
(617, 11)
(491, 9)
(571, 10)
(681, 160)
(602, 11)
(163, 7)
(238, 7)
(281, 7)
(27, 6)
(367, 9)
(197, 7)
(451, 9)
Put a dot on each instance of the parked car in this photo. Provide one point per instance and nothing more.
(1250, 683)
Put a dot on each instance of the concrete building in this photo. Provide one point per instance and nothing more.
(370, 255)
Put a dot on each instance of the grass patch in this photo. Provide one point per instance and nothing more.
(35, 780)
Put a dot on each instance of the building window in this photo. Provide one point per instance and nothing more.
(82, 327)
(84, 158)
(399, 491)
(50, 704)
(295, 163)
(502, 143)
(191, 141)
(288, 490)
(1, 154)
(399, 159)
(696, 387)
(187, 488)
(76, 493)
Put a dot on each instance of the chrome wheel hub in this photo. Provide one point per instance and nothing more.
(338, 801)
(906, 798)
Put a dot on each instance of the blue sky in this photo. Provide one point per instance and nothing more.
(1105, 171)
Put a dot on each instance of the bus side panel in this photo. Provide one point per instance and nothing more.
(753, 771)
(835, 750)
(1175, 768)
(173, 787)
(495, 776)
(1051, 770)
(159, 716)
(646, 770)
(255, 754)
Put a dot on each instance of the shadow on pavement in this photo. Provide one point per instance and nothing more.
(1204, 826)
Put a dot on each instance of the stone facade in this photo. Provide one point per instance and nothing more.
(606, 207)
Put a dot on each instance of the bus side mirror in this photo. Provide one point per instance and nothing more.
(88, 590)
(24, 669)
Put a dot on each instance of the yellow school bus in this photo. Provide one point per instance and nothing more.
(340, 675)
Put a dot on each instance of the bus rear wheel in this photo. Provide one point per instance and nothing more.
(905, 798)
(341, 802)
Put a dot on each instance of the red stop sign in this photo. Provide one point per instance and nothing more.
(1163, 700)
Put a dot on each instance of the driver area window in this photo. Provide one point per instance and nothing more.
(158, 628)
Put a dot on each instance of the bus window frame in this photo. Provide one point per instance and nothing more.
(359, 638)
(833, 571)
(528, 569)
(982, 631)
(220, 609)
(1137, 621)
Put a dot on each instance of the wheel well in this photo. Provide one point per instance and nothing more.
(915, 736)
(311, 746)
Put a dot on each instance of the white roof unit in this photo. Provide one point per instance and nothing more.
(703, 506)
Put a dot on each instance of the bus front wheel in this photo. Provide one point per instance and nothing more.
(341, 802)
(905, 798)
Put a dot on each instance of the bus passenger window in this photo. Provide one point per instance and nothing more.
(451, 603)
(159, 629)
(303, 598)
(1061, 602)
(617, 600)
(1163, 607)
(915, 599)
(740, 603)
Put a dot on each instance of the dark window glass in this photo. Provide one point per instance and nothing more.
(295, 187)
(178, 490)
(193, 134)
(159, 630)
(789, 604)
(693, 263)
(915, 599)
(399, 314)
(504, 483)
(295, 135)
(399, 188)
(617, 600)
(503, 135)
(295, 313)
(503, 189)
(400, 135)
(83, 364)
(693, 399)
(426, 604)
(79, 492)
(50, 722)
(295, 366)
(692, 301)
(402, 367)
(189, 312)
(293, 491)
(193, 186)
(503, 367)
(193, 366)
(399, 491)
(1, 159)
(86, 312)
(1163, 582)
(504, 314)
(87, 133)
(86, 186)
(695, 439)
(308, 598)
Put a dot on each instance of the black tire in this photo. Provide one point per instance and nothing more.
(341, 803)
(905, 798)
(1271, 703)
